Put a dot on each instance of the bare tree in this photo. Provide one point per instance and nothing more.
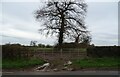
(62, 17)
(33, 43)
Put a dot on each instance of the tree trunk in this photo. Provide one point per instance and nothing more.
(60, 40)
(77, 39)
(61, 31)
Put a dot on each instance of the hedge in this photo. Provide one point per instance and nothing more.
(15, 51)
(103, 51)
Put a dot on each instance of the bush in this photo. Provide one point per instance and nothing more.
(13, 51)
(103, 51)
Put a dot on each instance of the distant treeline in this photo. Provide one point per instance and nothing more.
(74, 45)
(39, 45)
(64, 45)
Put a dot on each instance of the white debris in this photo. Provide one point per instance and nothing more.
(70, 69)
(65, 67)
(46, 64)
(55, 69)
(69, 62)
(43, 67)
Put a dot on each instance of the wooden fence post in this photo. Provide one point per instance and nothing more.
(78, 52)
(61, 52)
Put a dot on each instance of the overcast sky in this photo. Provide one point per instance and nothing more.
(18, 24)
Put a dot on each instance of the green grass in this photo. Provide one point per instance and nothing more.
(82, 49)
(40, 49)
(20, 63)
(97, 62)
(45, 49)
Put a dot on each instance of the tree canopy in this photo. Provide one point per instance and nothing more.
(64, 18)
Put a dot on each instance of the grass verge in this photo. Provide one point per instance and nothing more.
(20, 63)
(97, 63)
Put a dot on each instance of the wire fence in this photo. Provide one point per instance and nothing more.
(66, 53)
